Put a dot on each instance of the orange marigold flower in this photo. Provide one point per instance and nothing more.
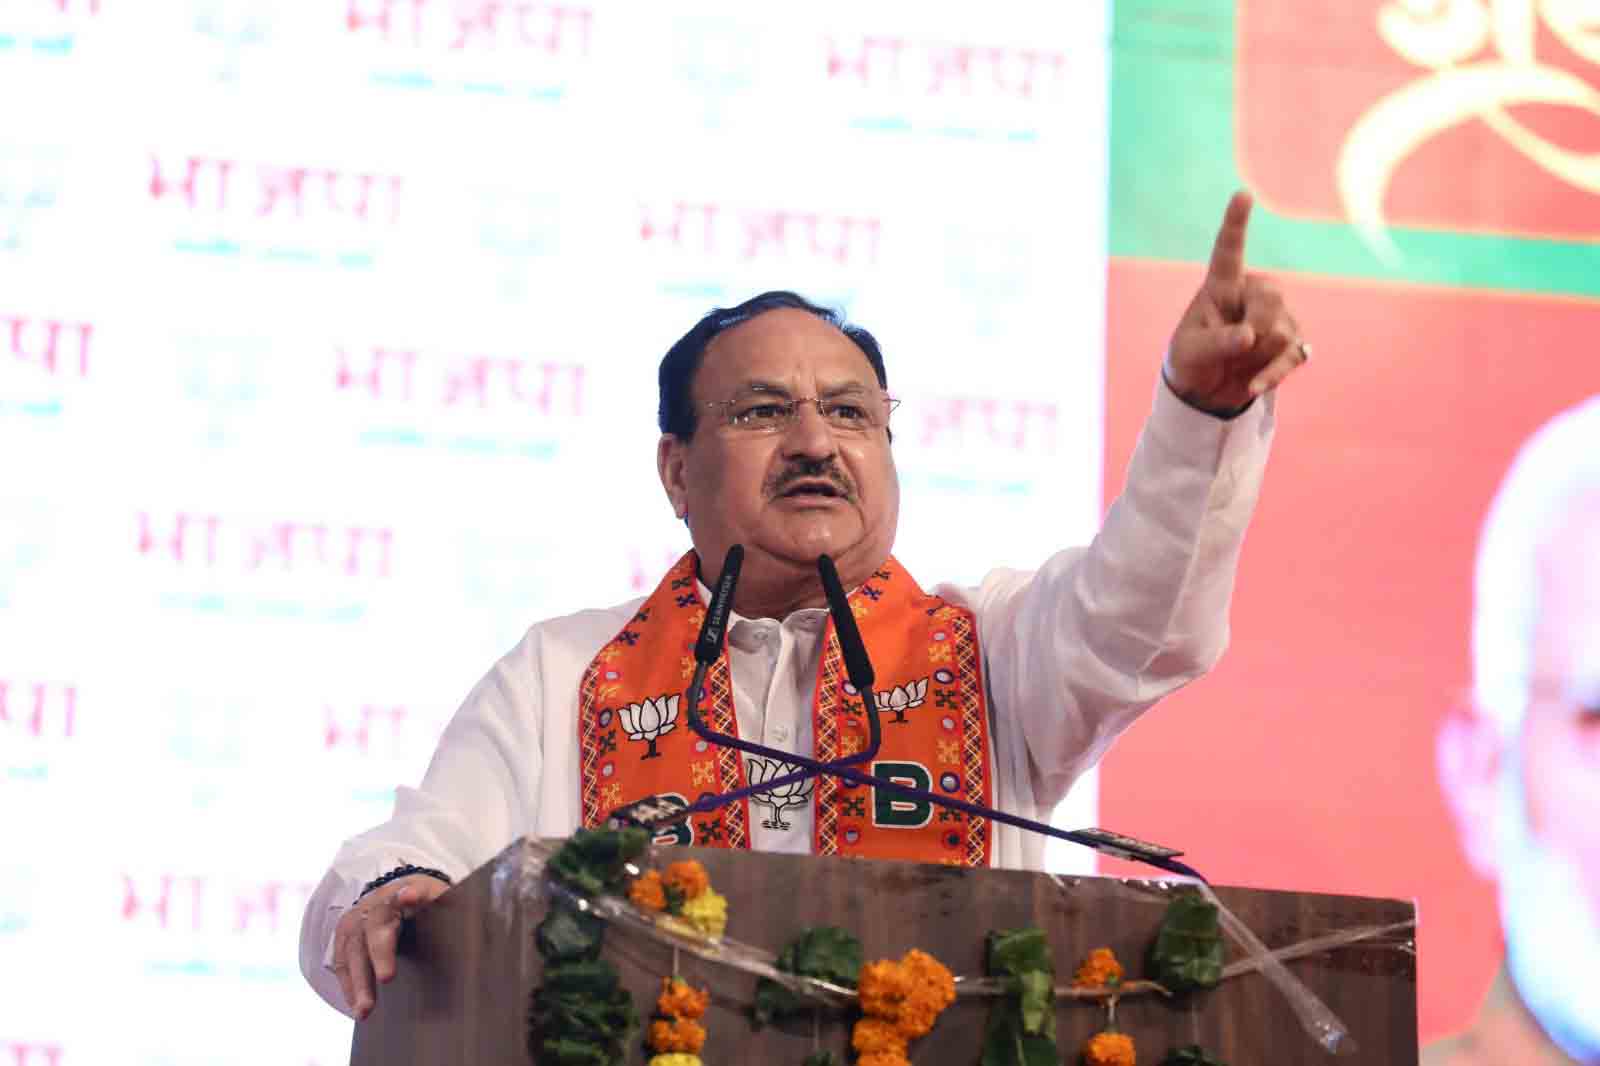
(1100, 969)
(915, 1019)
(677, 1034)
(1109, 1049)
(909, 994)
(883, 1058)
(646, 892)
(688, 877)
(877, 1036)
(679, 1000)
(881, 987)
(933, 987)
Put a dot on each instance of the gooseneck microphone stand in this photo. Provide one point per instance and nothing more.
(653, 815)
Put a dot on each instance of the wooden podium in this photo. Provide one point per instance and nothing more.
(461, 995)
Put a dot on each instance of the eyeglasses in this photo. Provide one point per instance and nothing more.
(763, 410)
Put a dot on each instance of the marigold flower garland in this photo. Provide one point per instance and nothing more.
(581, 1009)
(1109, 1048)
(684, 898)
(1100, 969)
(676, 1035)
(900, 1001)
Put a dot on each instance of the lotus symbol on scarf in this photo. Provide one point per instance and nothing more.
(902, 698)
(649, 720)
(794, 794)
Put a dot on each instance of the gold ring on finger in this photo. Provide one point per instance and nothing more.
(1305, 352)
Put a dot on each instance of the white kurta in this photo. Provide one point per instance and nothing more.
(1074, 652)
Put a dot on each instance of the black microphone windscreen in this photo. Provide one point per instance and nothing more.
(709, 646)
(856, 663)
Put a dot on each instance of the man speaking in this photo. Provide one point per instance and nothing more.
(776, 435)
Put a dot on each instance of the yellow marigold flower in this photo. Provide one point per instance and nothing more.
(675, 1058)
(646, 892)
(875, 1035)
(688, 877)
(881, 987)
(1100, 969)
(677, 1034)
(707, 912)
(1109, 1049)
(679, 1000)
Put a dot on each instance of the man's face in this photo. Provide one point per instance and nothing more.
(1561, 731)
(793, 494)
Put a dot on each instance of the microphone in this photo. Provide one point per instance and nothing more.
(856, 663)
(709, 646)
(857, 667)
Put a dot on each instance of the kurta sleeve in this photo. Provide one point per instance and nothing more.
(1078, 649)
(469, 805)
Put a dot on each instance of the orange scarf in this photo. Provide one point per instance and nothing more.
(635, 741)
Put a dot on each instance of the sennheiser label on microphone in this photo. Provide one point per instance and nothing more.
(1125, 847)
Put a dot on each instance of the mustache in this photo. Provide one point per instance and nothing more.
(818, 470)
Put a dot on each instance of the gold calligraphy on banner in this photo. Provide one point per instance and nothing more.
(1481, 60)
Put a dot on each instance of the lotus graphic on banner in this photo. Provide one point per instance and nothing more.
(902, 698)
(649, 720)
(794, 794)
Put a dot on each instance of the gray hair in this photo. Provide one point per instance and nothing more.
(1557, 465)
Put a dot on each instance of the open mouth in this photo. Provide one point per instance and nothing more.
(812, 490)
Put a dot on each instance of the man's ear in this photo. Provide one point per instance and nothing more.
(1470, 755)
(670, 460)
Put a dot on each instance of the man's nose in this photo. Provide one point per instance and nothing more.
(808, 434)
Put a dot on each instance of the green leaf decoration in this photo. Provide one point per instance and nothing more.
(1192, 1055)
(1021, 1030)
(595, 860)
(1188, 949)
(674, 896)
(1015, 952)
(595, 978)
(1038, 1003)
(571, 1053)
(564, 1025)
(821, 1058)
(1005, 1043)
(581, 1014)
(826, 952)
(565, 935)
(823, 951)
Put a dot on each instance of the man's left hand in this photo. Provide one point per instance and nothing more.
(1237, 339)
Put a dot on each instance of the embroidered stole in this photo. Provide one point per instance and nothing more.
(635, 741)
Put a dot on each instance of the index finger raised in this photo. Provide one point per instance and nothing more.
(1227, 254)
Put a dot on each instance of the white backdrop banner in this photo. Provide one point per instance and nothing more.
(328, 340)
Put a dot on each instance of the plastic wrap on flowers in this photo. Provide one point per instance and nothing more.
(1320, 1023)
(655, 882)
